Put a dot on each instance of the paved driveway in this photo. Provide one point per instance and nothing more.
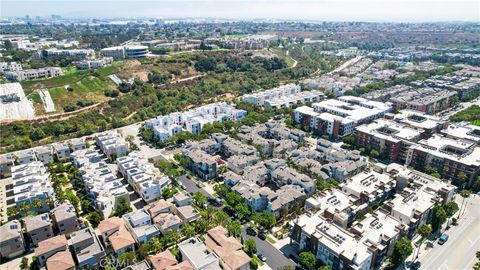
(275, 258)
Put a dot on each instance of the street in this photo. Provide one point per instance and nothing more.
(275, 258)
(464, 241)
(191, 187)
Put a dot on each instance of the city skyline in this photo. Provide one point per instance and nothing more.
(304, 10)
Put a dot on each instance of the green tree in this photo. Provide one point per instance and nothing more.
(127, 258)
(425, 231)
(465, 194)
(221, 218)
(250, 247)
(94, 218)
(308, 260)
(24, 264)
(325, 267)
(439, 216)
(401, 250)
(199, 199)
(123, 207)
(188, 230)
(234, 228)
(12, 211)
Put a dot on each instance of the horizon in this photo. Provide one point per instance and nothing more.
(402, 11)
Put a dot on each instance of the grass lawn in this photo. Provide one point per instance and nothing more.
(89, 88)
(271, 240)
(259, 262)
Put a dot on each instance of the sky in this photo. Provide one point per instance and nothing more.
(324, 10)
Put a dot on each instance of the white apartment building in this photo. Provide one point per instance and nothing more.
(331, 244)
(145, 178)
(94, 63)
(77, 54)
(112, 144)
(30, 74)
(31, 181)
(44, 154)
(259, 98)
(10, 66)
(369, 186)
(193, 120)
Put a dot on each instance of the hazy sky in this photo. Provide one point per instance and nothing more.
(351, 10)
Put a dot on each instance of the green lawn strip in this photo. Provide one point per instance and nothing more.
(259, 262)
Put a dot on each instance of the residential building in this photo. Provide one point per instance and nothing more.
(61, 260)
(7, 161)
(456, 158)
(112, 144)
(198, 255)
(25, 156)
(44, 154)
(94, 63)
(30, 74)
(426, 100)
(62, 151)
(283, 97)
(140, 225)
(429, 123)
(463, 132)
(49, 247)
(64, 218)
(287, 176)
(30, 182)
(229, 249)
(202, 164)
(38, 228)
(10, 66)
(77, 144)
(391, 139)
(239, 163)
(331, 244)
(88, 250)
(162, 260)
(12, 243)
(116, 236)
(77, 54)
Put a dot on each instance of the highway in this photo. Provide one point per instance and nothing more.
(464, 241)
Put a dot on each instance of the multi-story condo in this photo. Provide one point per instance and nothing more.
(116, 236)
(94, 63)
(88, 250)
(38, 227)
(145, 178)
(391, 139)
(10, 66)
(112, 144)
(30, 182)
(44, 154)
(61, 150)
(12, 243)
(30, 74)
(455, 158)
(49, 247)
(426, 100)
(331, 244)
(429, 123)
(229, 250)
(140, 225)
(77, 54)
(193, 120)
(25, 156)
(338, 117)
(463, 132)
(202, 164)
(283, 97)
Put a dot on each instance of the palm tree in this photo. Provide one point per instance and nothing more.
(465, 194)
(49, 202)
(425, 231)
(188, 230)
(12, 211)
(24, 207)
(37, 203)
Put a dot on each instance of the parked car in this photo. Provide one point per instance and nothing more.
(251, 231)
(262, 235)
(261, 257)
(443, 238)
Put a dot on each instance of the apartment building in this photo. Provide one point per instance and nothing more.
(426, 100)
(429, 123)
(44, 154)
(369, 187)
(193, 120)
(338, 117)
(76, 54)
(391, 139)
(454, 157)
(283, 96)
(12, 243)
(10, 66)
(31, 181)
(202, 164)
(61, 150)
(463, 132)
(332, 245)
(31, 74)
(61, 259)
(112, 144)
(145, 178)
(38, 228)
(238, 164)
(287, 176)
(25, 156)
(229, 249)
(94, 63)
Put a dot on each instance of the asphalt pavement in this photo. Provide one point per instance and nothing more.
(464, 241)
(275, 258)
(191, 186)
